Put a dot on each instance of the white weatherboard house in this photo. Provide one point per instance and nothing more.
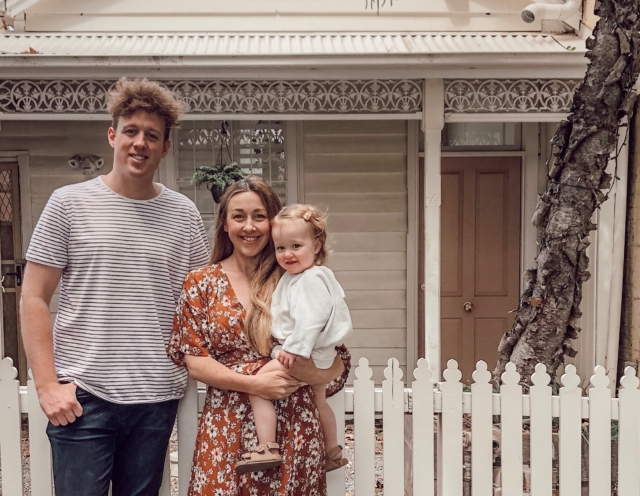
(422, 126)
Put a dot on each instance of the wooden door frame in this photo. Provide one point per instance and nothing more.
(24, 224)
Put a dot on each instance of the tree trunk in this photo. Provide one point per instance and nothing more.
(549, 310)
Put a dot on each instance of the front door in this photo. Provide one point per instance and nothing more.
(12, 265)
(480, 257)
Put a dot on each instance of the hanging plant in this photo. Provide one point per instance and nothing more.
(221, 175)
(217, 178)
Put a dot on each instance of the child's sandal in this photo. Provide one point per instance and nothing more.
(260, 458)
(333, 459)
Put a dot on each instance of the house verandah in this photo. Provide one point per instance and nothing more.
(373, 152)
(416, 163)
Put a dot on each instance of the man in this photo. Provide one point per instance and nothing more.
(122, 246)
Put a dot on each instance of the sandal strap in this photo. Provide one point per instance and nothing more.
(261, 452)
(334, 453)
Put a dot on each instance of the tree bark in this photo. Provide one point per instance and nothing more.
(547, 318)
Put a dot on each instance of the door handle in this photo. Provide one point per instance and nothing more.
(19, 264)
(1, 285)
(467, 306)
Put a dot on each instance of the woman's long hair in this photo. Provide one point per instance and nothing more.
(257, 328)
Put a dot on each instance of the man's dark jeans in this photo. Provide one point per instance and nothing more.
(122, 444)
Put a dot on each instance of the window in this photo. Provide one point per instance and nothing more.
(257, 146)
(481, 136)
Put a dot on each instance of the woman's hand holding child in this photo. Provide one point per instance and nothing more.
(275, 385)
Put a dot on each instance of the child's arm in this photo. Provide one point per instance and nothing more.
(286, 358)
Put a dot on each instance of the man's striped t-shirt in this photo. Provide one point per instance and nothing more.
(123, 264)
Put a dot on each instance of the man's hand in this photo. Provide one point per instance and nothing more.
(59, 403)
(286, 358)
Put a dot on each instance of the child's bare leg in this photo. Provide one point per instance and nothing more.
(264, 413)
(327, 417)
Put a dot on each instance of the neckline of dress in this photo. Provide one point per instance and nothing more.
(235, 296)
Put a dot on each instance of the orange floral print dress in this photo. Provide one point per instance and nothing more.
(209, 321)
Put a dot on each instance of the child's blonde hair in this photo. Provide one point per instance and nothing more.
(315, 219)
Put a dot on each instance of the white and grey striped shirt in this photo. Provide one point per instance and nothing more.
(123, 264)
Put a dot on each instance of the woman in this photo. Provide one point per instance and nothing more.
(222, 334)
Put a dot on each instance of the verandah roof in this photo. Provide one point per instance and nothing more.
(128, 44)
(335, 55)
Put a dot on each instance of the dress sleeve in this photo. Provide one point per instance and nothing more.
(188, 336)
(338, 383)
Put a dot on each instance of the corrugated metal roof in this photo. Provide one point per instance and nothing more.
(123, 44)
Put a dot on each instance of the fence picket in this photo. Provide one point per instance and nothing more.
(187, 433)
(629, 434)
(450, 438)
(423, 471)
(540, 438)
(481, 432)
(10, 429)
(336, 481)
(39, 447)
(393, 422)
(511, 423)
(364, 430)
(570, 433)
(599, 434)
(165, 488)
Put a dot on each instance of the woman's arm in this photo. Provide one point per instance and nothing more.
(306, 371)
(270, 385)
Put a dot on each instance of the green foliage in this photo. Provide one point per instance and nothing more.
(219, 175)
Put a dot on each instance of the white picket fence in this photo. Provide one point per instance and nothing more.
(442, 463)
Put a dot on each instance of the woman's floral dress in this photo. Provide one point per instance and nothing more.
(209, 322)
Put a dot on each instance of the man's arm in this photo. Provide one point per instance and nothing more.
(58, 401)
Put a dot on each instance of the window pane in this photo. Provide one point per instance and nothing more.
(481, 134)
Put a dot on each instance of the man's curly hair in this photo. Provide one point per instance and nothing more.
(141, 95)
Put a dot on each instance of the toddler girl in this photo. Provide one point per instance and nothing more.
(310, 317)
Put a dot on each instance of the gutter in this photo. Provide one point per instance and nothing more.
(566, 64)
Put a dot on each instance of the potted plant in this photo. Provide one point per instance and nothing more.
(217, 178)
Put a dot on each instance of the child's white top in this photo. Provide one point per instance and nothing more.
(309, 313)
